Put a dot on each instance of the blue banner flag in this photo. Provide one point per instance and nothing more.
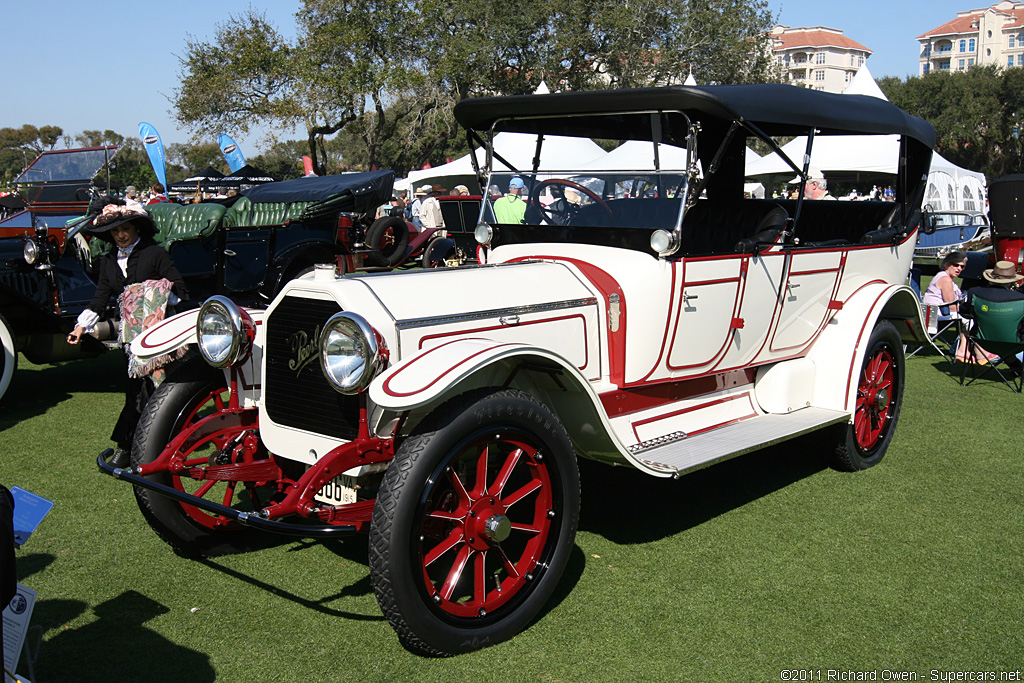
(155, 150)
(231, 153)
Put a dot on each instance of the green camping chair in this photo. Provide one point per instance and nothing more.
(995, 330)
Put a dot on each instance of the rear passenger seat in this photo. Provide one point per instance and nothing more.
(181, 223)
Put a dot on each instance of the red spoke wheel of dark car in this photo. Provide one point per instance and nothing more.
(877, 402)
(474, 522)
(196, 393)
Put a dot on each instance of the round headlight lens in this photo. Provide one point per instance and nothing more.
(661, 241)
(484, 233)
(31, 251)
(352, 353)
(225, 332)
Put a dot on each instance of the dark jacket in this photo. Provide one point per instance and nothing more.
(148, 261)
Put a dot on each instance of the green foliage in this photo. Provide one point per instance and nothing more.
(19, 146)
(283, 160)
(977, 114)
(388, 72)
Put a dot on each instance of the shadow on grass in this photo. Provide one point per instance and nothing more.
(359, 588)
(36, 389)
(117, 646)
(627, 506)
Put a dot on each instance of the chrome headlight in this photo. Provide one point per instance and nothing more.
(352, 353)
(664, 242)
(225, 332)
(31, 251)
(484, 233)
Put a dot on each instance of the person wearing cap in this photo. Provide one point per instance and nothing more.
(430, 209)
(815, 185)
(414, 208)
(461, 191)
(511, 208)
(1003, 277)
(135, 258)
(131, 198)
(389, 209)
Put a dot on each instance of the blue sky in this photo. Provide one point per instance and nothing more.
(110, 68)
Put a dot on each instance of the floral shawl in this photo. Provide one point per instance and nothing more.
(143, 305)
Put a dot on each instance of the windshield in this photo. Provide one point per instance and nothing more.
(66, 165)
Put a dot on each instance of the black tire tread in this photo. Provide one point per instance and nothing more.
(396, 479)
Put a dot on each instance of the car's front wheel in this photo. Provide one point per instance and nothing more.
(474, 522)
(8, 356)
(196, 393)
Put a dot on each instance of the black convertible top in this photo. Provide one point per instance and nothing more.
(321, 188)
(775, 109)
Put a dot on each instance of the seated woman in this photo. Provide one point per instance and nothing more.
(943, 290)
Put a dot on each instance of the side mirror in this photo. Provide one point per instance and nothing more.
(927, 220)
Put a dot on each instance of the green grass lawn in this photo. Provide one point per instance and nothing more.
(768, 562)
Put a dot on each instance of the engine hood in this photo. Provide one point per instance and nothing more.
(419, 309)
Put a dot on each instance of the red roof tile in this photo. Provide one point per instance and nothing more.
(963, 24)
(815, 37)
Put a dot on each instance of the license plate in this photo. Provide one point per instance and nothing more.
(339, 491)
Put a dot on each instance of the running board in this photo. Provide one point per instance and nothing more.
(694, 452)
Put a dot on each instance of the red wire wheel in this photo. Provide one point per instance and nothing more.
(474, 522)
(227, 439)
(877, 402)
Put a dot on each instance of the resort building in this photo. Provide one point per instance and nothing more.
(992, 35)
(820, 58)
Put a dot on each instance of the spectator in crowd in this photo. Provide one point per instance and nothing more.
(131, 198)
(815, 185)
(511, 208)
(461, 191)
(159, 194)
(430, 209)
(136, 258)
(414, 208)
(1003, 279)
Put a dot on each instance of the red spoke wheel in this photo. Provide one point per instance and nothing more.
(474, 522)
(193, 394)
(878, 400)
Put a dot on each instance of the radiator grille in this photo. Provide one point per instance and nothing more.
(296, 393)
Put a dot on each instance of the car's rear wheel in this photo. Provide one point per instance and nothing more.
(388, 240)
(878, 401)
(198, 392)
(439, 253)
(8, 356)
(474, 522)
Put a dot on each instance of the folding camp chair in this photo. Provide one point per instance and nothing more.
(995, 330)
(943, 329)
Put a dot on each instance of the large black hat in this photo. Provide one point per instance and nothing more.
(114, 215)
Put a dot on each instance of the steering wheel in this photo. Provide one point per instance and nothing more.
(563, 215)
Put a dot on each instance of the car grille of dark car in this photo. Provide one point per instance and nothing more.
(295, 391)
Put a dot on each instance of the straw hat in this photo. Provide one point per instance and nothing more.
(1003, 274)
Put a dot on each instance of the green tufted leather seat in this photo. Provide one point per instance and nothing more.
(194, 221)
(269, 213)
(239, 213)
(163, 216)
(295, 210)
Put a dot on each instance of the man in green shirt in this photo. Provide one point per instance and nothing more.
(511, 208)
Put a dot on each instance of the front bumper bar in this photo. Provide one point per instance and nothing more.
(250, 519)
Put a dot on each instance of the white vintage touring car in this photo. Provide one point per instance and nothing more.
(653, 318)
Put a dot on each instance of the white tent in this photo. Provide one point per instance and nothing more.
(637, 155)
(949, 186)
(557, 153)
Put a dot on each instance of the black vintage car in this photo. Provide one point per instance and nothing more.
(245, 251)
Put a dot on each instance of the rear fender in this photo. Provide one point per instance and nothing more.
(421, 382)
(839, 351)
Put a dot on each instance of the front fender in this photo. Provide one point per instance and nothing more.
(174, 333)
(422, 378)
